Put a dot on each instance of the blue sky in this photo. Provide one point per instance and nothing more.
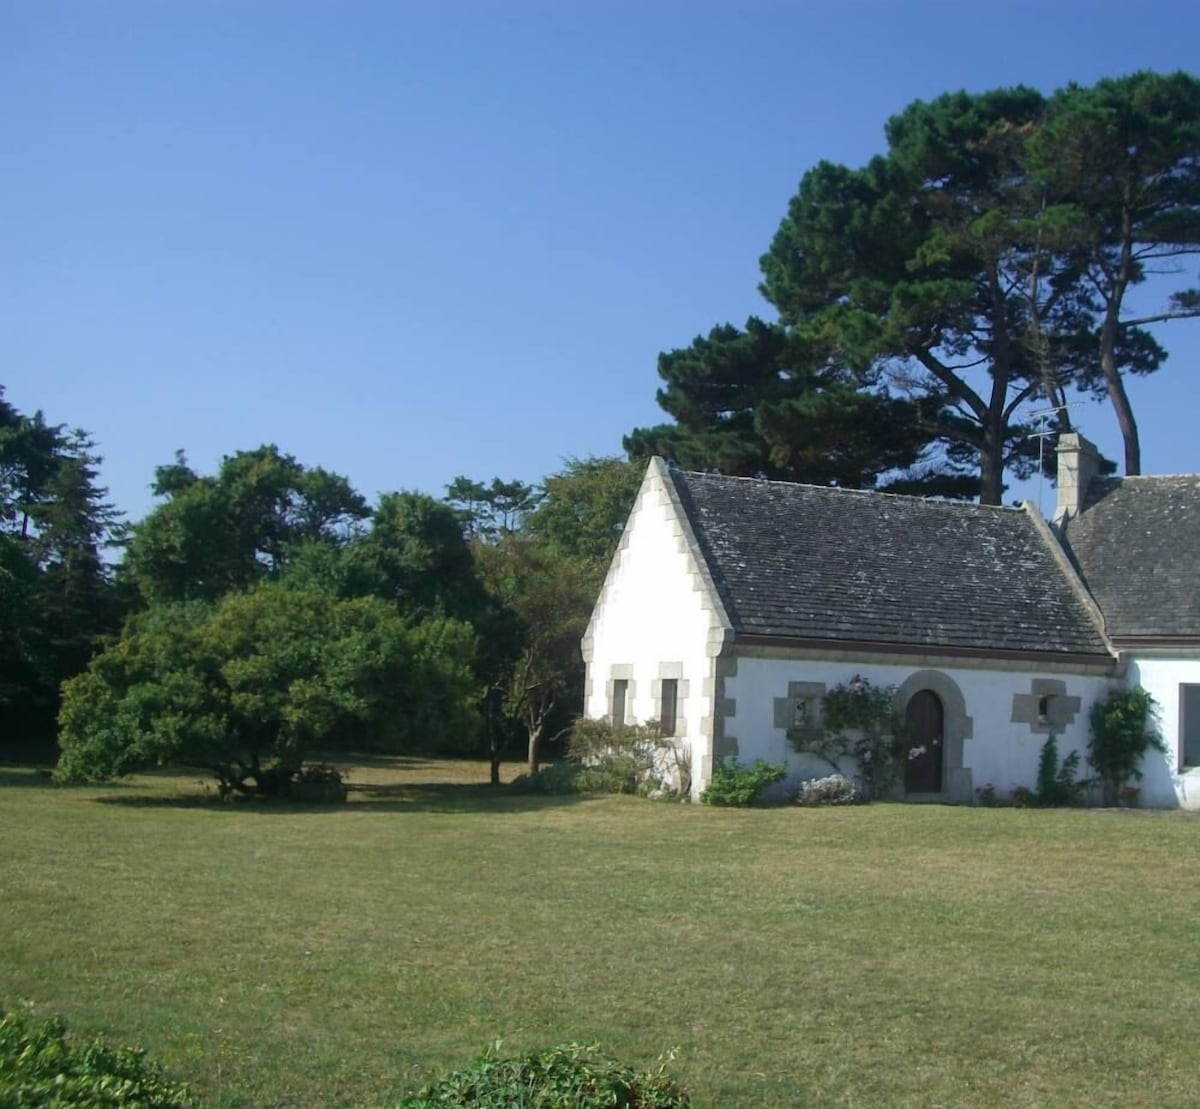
(408, 241)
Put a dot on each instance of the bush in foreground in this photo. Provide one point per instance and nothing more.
(734, 785)
(601, 758)
(571, 1076)
(834, 789)
(40, 1065)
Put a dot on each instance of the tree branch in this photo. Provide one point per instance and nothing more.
(958, 388)
(1179, 314)
(1022, 396)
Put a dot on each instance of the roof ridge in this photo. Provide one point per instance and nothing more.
(946, 501)
(1143, 477)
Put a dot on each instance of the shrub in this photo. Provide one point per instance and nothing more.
(987, 796)
(318, 782)
(616, 774)
(836, 789)
(1056, 784)
(319, 773)
(622, 758)
(1128, 796)
(734, 785)
(572, 1076)
(1022, 797)
(1123, 727)
(554, 778)
(40, 1065)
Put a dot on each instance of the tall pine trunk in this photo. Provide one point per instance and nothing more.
(1108, 353)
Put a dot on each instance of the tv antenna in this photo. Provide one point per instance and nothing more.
(1041, 435)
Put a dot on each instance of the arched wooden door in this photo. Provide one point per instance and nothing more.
(923, 767)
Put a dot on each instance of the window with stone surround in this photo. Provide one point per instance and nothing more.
(800, 710)
(620, 694)
(670, 704)
(668, 693)
(1047, 708)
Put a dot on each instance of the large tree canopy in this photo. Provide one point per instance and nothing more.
(975, 272)
(760, 402)
(914, 269)
(416, 555)
(238, 527)
(56, 593)
(252, 686)
(582, 513)
(278, 620)
(1118, 166)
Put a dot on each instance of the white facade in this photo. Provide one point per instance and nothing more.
(656, 620)
(993, 733)
(1165, 781)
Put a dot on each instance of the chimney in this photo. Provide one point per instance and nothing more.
(1078, 463)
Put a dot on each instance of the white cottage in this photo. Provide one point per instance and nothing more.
(733, 605)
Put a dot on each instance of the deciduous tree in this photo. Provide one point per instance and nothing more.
(236, 528)
(583, 512)
(253, 685)
(551, 598)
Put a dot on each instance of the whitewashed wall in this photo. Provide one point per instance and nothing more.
(656, 616)
(1163, 784)
(998, 751)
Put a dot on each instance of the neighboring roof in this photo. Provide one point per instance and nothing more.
(815, 563)
(1137, 546)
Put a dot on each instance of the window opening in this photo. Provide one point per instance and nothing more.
(802, 712)
(620, 691)
(670, 705)
(1043, 713)
(1189, 725)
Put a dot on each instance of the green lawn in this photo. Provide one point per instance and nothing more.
(276, 955)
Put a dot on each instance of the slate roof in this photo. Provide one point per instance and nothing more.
(808, 562)
(1137, 546)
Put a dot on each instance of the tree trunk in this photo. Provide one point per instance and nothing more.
(993, 423)
(991, 467)
(495, 744)
(1119, 397)
(535, 739)
(1108, 354)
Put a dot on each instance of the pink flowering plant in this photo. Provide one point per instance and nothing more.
(858, 724)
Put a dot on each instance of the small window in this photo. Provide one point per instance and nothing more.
(802, 712)
(670, 705)
(1189, 725)
(620, 690)
(1043, 713)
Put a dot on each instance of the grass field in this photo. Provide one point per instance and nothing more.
(888, 955)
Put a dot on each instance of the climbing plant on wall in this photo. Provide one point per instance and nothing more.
(1124, 726)
(859, 724)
